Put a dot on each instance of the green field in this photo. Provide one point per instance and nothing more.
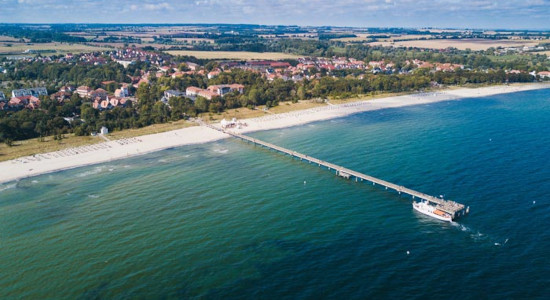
(9, 48)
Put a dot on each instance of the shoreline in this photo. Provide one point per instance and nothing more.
(44, 163)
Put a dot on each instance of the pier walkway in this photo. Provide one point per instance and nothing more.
(453, 208)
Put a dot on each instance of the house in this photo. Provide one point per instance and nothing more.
(192, 91)
(20, 102)
(213, 90)
(60, 96)
(67, 88)
(142, 80)
(38, 91)
(165, 69)
(98, 93)
(192, 66)
(207, 94)
(104, 130)
(223, 89)
(84, 91)
(544, 74)
(279, 65)
(213, 74)
(21, 93)
(173, 93)
(177, 74)
(122, 92)
(125, 63)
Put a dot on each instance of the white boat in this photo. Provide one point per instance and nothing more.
(432, 211)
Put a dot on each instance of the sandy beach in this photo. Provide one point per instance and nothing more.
(29, 166)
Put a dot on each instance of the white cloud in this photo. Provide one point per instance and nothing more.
(371, 13)
(151, 6)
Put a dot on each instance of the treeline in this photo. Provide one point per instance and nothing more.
(50, 118)
(329, 48)
(39, 36)
(77, 74)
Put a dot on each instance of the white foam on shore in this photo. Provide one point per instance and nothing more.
(99, 153)
(7, 186)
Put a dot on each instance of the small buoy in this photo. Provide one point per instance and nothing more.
(408, 252)
(534, 202)
(490, 140)
(305, 182)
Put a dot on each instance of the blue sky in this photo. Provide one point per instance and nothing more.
(522, 14)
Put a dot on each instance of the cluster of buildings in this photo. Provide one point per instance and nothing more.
(541, 74)
(444, 67)
(213, 91)
(209, 93)
(101, 99)
(506, 50)
(124, 57)
(23, 98)
(128, 56)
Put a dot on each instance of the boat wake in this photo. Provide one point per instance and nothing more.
(476, 235)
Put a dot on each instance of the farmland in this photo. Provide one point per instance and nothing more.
(462, 44)
(13, 48)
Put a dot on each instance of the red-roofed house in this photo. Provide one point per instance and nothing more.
(84, 91)
(280, 65)
(213, 74)
(101, 93)
(207, 94)
(192, 91)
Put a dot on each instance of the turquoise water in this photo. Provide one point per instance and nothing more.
(230, 220)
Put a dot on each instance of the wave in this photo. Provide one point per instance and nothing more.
(95, 171)
(7, 186)
(221, 151)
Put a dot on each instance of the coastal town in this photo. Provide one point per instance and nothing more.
(241, 149)
(305, 68)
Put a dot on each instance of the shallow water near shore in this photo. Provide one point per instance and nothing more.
(232, 220)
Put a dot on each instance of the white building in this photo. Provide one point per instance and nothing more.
(104, 130)
(38, 91)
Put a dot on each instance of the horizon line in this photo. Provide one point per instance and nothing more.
(282, 25)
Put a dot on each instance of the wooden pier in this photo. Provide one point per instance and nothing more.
(453, 208)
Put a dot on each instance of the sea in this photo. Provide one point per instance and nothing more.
(230, 220)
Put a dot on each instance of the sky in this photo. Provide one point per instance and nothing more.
(505, 14)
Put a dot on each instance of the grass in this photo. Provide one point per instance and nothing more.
(152, 129)
(246, 113)
(33, 146)
(241, 55)
(5, 38)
